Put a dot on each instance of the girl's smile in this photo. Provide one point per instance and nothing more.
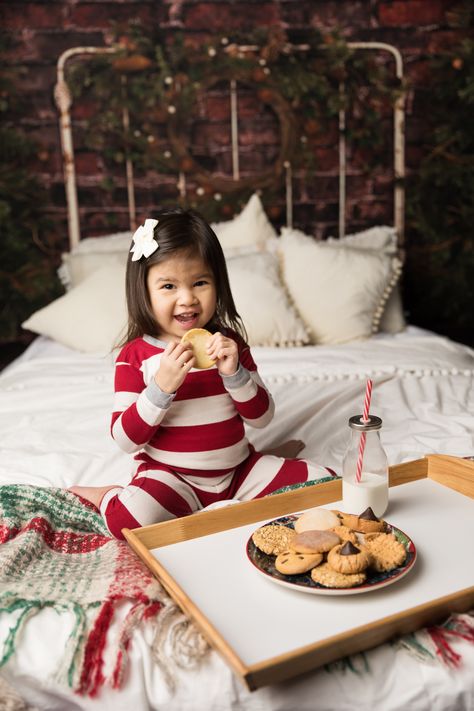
(182, 295)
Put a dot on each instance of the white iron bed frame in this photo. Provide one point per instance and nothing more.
(64, 102)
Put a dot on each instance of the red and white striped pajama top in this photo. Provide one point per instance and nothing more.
(191, 446)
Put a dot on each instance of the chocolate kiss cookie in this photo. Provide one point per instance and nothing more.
(349, 549)
(369, 523)
(368, 514)
(349, 559)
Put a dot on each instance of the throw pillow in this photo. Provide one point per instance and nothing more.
(248, 230)
(381, 239)
(260, 299)
(340, 293)
(246, 233)
(91, 317)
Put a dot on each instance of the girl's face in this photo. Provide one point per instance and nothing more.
(182, 295)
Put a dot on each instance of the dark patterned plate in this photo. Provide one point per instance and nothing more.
(265, 564)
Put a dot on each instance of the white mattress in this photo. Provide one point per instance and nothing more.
(55, 407)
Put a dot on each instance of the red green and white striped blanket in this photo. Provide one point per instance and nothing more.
(56, 552)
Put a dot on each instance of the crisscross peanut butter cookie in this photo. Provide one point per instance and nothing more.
(387, 553)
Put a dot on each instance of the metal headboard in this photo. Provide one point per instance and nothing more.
(64, 101)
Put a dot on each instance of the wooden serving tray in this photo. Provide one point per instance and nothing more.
(268, 633)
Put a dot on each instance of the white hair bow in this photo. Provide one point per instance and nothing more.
(144, 244)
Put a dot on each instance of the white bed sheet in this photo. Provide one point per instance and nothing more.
(55, 407)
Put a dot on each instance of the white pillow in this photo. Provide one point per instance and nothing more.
(260, 299)
(339, 293)
(77, 267)
(380, 239)
(393, 320)
(90, 317)
(248, 230)
(91, 254)
(117, 242)
(246, 233)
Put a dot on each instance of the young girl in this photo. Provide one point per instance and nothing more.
(186, 425)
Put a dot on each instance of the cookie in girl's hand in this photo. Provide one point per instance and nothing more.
(199, 338)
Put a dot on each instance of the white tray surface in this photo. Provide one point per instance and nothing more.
(260, 619)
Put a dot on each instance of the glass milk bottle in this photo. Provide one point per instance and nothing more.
(372, 488)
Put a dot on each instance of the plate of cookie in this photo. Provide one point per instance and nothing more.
(327, 552)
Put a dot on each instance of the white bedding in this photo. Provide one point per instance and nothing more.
(55, 407)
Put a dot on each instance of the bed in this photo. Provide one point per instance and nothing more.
(54, 417)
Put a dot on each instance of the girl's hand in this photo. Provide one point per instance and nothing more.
(176, 361)
(225, 352)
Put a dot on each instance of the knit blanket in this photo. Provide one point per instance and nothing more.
(56, 552)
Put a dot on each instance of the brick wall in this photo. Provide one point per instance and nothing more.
(43, 30)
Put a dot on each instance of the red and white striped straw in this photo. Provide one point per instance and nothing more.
(368, 397)
(365, 418)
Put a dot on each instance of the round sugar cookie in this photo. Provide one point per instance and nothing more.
(290, 563)
(198, 338)
(316, 520)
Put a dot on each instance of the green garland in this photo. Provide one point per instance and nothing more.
(169, 76)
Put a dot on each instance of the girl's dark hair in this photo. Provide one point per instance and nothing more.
(179, 231)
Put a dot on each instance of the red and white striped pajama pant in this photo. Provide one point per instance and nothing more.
(159, 493)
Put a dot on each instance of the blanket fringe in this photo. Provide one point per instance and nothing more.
(92, 677)
(139, 612)
(177, 643)
(73, 651)
(435, 643)
(28, 609)
(430, 644)
(356, 663)
(10, 700)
